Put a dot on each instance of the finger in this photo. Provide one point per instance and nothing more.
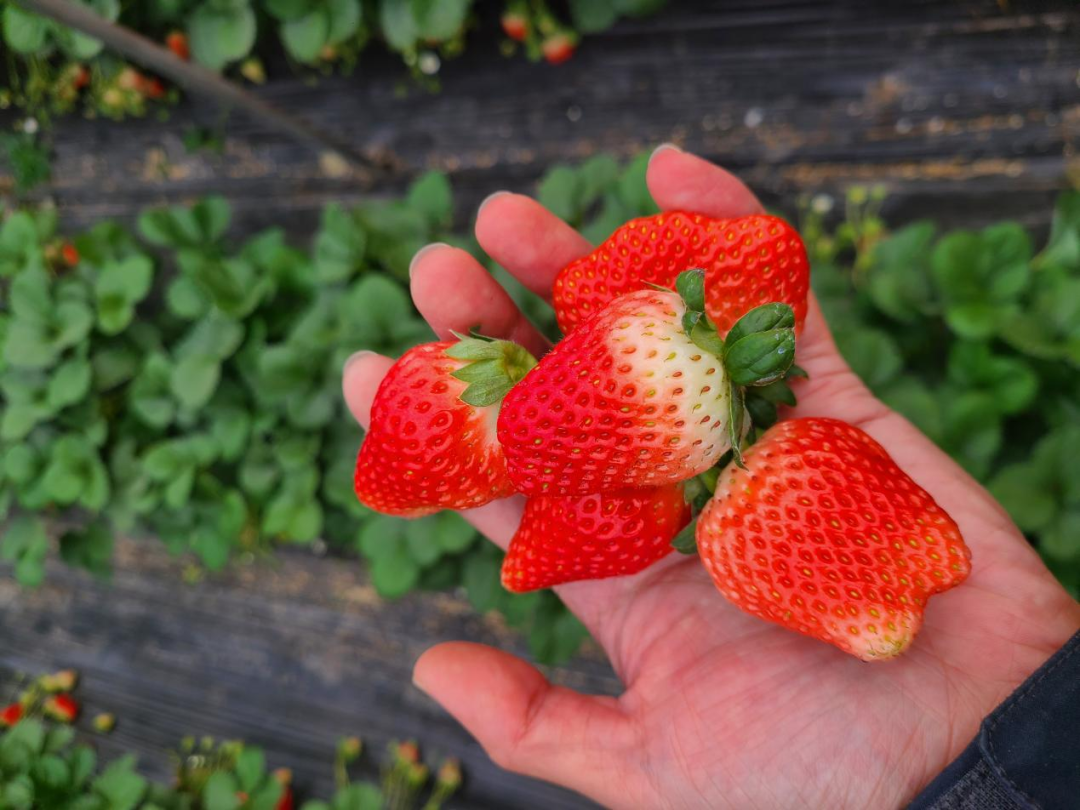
(360, 381)
(679, 180)
(528, 240)
(527, 725)
(455, 293)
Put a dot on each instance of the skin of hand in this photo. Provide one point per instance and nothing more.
(722, 709)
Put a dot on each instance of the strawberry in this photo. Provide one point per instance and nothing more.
(747, 261)
(177, 42)
(152, 88)
(70, 254)
(431, 444)
(596, 536)
(286, 800)
(559, 47)
(80, 76)
(627, 400)
(62, 708)
(515, 25)
(824, 534)
(11, 714)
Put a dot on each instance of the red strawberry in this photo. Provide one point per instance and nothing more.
(824, 534)
(152, 88)
(624, 401)
(80, 76)
(70, 254)
(428, 448)
(177, 42)
(62, 708)
(747, 261)
(515, 25)
(559, 47)
(11, 714)
(286, 800)
(597, 536)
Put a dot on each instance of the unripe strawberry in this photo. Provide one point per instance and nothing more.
(104, 723)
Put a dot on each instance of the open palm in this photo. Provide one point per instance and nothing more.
(720, 708)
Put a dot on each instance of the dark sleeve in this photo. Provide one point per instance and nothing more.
(1027, 753)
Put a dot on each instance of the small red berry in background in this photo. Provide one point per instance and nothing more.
(153, 88)
(70, 254)
(286, 800)
(559, 47)
(515, 25)
(177, 42)
(11, 715)
(80, 76)
(63, 708)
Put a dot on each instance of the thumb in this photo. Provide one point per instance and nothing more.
(529, 726)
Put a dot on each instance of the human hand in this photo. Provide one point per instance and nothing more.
(721, 708)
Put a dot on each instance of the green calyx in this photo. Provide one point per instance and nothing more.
(758, 353)
(492, 368)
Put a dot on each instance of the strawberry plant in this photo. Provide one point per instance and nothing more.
(42, 765)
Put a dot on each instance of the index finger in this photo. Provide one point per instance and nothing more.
(680, 181)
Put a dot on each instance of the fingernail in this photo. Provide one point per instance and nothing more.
(664, 147)
(489, 198)
(421, 252)
(354, 357)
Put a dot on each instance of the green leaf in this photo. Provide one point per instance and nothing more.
(119, 784)
(913, 399)
(454, 533)
(90, 548)
(590, 16)
(398, 24)
(559, 193)
(358, 796)
(480, 576)
(760, 357)
(79, 46)
(288, 9)
(24, 32)
(422, 541)
(898, 282)
(431, 195)
(305, 37)
(250, 768)
(220, 792)
(976, 321)
(339, 245)
(194, 380)
(21, 463)
(1062, 538)
(24, 542)
(871, 353)
(439, 20)
(69, 383)
(764, 318)
(220, 37)
(346, 17)
(1024, 493)
(186, 299)
(685, 542)
(690, 285)
(394, 573)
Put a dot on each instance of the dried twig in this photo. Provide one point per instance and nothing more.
(193, 77)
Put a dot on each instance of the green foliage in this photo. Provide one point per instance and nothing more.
(976, 339)
(42, 766)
